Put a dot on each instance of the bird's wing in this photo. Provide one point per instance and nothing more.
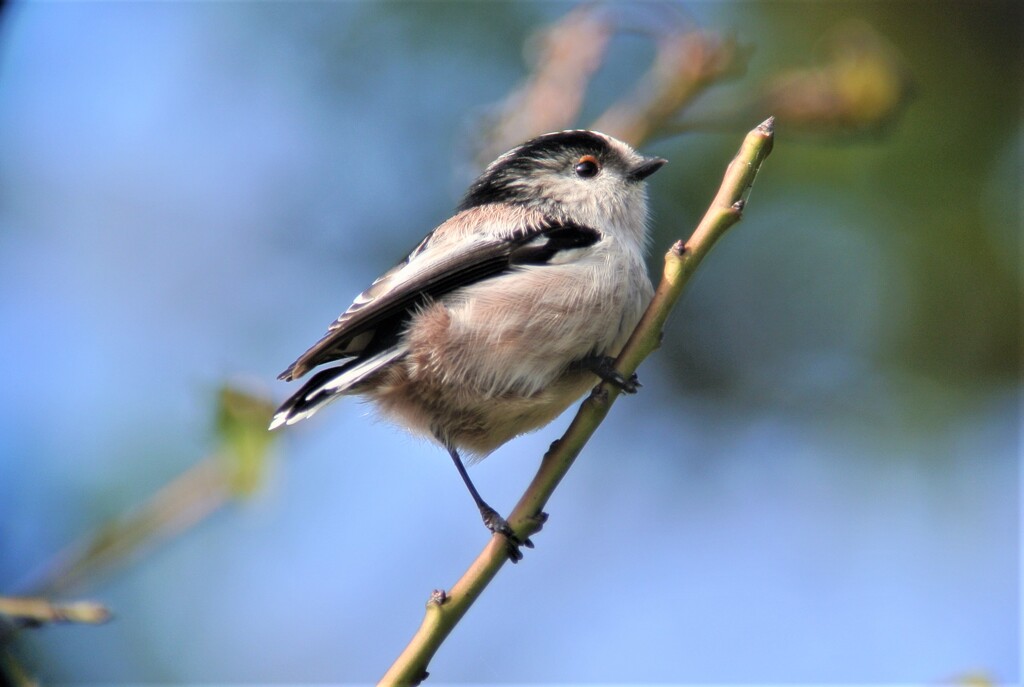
(458, 253)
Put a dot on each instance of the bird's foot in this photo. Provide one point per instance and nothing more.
(499, 525)
(604, 367)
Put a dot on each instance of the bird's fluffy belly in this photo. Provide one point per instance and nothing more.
(474, 423)
(486, 366)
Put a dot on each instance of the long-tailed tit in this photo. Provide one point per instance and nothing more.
(506, 313)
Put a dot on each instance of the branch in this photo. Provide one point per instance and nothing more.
(39, 611)
(21, 612)
(445, 609)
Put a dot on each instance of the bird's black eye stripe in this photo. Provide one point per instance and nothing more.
(587, 167)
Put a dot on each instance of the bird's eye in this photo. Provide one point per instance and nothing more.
(587, 167)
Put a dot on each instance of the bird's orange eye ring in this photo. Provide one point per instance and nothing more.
(587, 167)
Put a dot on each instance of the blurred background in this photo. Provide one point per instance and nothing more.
(819, 481)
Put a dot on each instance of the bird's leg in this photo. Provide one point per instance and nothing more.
(604, 367)
(494, 522)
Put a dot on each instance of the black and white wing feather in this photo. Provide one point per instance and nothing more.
(460, 252)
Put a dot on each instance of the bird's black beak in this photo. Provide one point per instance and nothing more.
(649, 166)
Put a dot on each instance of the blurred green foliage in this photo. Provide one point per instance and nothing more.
(242, 420)
(918, 222)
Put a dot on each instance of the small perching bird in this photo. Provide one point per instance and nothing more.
(506, 313)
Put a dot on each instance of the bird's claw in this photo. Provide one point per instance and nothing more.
(499, 525)
(626, 386)
(604, 367)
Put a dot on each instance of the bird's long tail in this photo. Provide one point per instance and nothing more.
(329, 384)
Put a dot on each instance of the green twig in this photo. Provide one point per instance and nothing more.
(445, 609)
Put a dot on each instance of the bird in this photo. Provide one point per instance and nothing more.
(506, 313)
